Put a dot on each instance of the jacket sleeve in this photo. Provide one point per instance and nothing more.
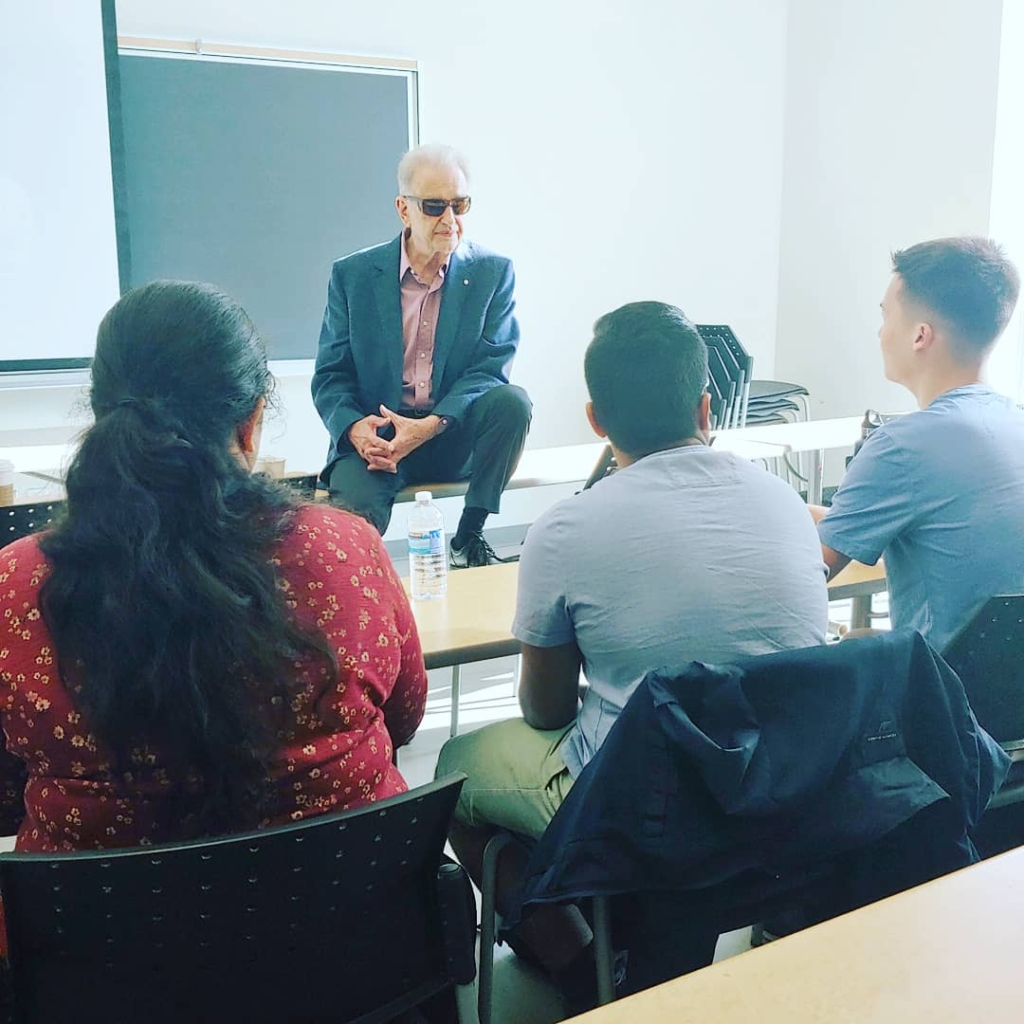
(495, 350)
(334, 387)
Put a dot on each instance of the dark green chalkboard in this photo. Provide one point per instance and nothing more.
(255, 175)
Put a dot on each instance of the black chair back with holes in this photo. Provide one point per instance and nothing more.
(17, 521)
(988, 656)
(734, 365)
(339, 918)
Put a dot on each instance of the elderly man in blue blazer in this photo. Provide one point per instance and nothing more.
(412, 372)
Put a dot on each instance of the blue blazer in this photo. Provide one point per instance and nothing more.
(359, 361)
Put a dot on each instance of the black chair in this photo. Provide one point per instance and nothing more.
(772, 401)
(729, 364)
(345, 917)
(604, 466)
(820, 779)
(988, 655)
(17, 521)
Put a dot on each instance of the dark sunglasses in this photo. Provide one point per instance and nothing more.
(436, 207)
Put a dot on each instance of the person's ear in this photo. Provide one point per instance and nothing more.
(704, 413)
(402, 206)
(248, 432)
(592, 420)
(923, 337)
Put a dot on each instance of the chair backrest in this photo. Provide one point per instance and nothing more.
(335, 918)
(17, 521)
(988, 656)
(724, 384)
(604, 466)
(829, 776)
(738, 363)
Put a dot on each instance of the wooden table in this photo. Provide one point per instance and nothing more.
(947, 952)
(473, 621)
(860, 583)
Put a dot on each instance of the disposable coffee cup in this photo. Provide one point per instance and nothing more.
(270, 465)
(6, 482)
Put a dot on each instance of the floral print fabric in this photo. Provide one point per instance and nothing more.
(58, 786)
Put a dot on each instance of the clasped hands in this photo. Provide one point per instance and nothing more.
(381, 455)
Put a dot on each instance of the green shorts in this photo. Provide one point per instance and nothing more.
(517, 778)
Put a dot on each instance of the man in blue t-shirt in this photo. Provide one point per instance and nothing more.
(939, 492)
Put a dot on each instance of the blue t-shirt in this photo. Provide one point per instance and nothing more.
(688, 554)
(940, 493)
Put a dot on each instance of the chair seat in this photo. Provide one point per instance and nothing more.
(767, 389)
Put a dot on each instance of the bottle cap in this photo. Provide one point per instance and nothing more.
(422, 497)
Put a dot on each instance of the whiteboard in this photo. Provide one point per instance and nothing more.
(58, 257)
(254, 170)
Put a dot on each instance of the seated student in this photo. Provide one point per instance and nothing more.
(189, 651)
(685, 553)
(939, 492)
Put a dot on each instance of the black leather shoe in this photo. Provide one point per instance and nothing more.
(476, 552)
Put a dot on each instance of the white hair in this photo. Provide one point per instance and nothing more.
(432, 154)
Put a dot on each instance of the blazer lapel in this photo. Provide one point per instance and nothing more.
(389, 308)
(453, 295)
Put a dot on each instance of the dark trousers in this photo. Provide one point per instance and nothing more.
(485, 448)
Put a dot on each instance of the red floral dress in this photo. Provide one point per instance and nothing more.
(57, 788)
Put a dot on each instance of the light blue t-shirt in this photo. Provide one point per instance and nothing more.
(688, 554)
(940, 493)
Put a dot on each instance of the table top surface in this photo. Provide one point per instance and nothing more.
(811, 435)
(806, 436)
(945, 952)
(473, 621)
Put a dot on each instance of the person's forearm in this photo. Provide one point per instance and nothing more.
(818, 512)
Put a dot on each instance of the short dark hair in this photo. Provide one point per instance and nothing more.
(968, 283)
(646, 370)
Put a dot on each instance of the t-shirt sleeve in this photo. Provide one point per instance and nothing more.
(542, 604)
(875, 502)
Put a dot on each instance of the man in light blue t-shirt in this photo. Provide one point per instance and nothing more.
(939, 492)
(683, 554)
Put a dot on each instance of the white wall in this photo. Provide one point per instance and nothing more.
(58, 259)
(707, 152)
(1006, 367)
(890, 122)
(620, 151)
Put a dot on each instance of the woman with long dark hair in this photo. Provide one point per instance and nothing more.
(190, 651)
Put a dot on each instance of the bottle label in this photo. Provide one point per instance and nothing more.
(426, 542)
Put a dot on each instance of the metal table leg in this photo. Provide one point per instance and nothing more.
(815, 483)
(860, 611)
(456, 683)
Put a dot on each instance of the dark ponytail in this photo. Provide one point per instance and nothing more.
(163, 606)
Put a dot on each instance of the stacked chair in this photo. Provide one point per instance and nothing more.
(776, 401)
(730, 370)
(737, 400)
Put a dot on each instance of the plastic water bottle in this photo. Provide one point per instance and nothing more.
(428, 557)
